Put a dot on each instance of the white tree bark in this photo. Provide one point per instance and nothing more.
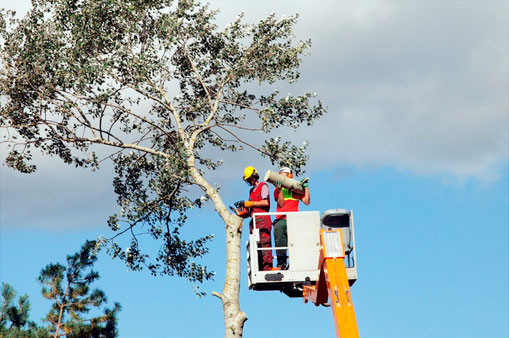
(234, 317)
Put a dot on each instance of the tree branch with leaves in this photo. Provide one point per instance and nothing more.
(159, 86)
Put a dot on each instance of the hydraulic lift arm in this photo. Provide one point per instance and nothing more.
(333, 284)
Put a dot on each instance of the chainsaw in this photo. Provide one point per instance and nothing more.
(240, 209)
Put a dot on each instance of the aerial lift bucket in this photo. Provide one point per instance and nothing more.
(322, 260)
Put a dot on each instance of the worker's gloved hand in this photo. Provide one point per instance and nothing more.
(248, 204)
(278, 185)
(305, 182)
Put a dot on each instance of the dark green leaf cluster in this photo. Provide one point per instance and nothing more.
(19, 161)
(151, 197)
(68, 287)
(14, 317)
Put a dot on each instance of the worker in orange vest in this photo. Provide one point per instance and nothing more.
(259, 201)
(287, 201)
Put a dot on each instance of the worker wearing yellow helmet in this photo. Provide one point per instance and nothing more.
(259, 201)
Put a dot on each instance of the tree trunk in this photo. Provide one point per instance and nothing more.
(234, 317)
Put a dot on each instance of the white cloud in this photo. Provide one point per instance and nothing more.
(420, 86)
(56, 197)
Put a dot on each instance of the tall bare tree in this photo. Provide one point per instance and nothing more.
(158, 83)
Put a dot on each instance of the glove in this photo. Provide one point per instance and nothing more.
(305, 182)
(278, 185)
(248, 204)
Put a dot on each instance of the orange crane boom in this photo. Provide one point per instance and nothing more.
(333, 284)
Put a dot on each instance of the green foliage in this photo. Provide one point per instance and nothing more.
(69, 287)
(14, 316)
(158, 83)
(31, 332)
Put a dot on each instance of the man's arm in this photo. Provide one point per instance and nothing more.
(306, 199)
(280, 198)
(305, 185)
(265, 203)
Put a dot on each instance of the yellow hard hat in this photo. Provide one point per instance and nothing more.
(248, 172)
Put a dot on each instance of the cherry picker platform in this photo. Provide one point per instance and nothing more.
(322, 263)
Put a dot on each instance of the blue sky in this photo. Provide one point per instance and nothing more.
(432, 261)
(415, 142)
